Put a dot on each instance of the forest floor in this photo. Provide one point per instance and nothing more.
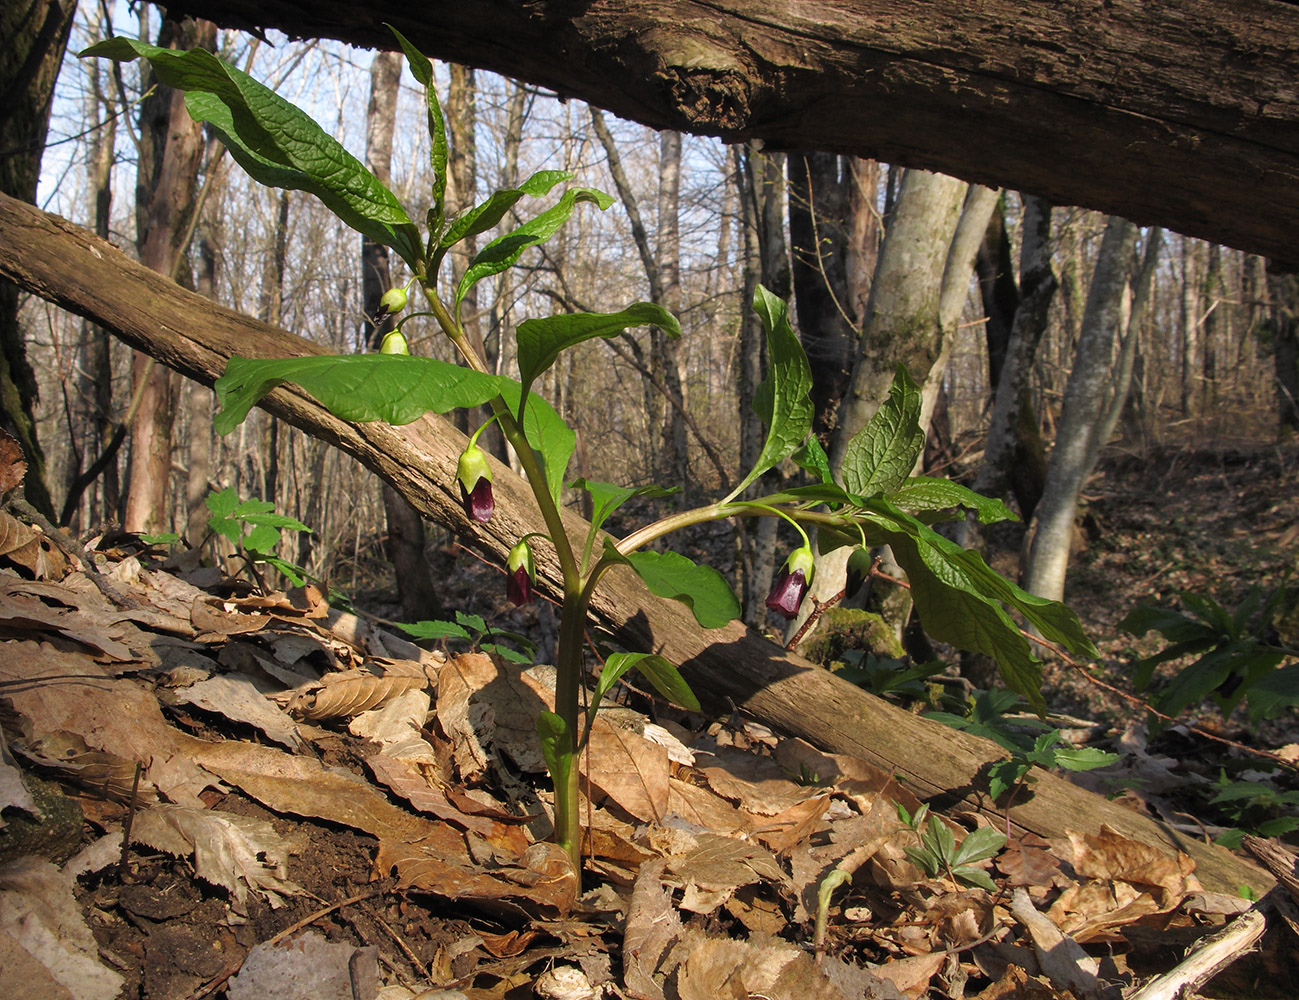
(322, 810)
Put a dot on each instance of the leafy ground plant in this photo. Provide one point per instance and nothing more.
(872, 500)
(253, 528)
(1237, 655)
(938, 855)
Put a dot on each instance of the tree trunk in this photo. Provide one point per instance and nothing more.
(675, 469)
(415, 590)
(1283, 320)
(35, 34)
(166, 200)
(1178, 114)
(728, 667)
(1092, 377)
(830, 244)
(902, 325)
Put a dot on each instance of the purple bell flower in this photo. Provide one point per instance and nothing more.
(791, 585)
(475, 478)
(521, 575)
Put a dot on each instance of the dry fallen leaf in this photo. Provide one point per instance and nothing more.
(629, 769)
(240, 698)
(307, 967)
(234, 852)
(13, 467)
(44, 937)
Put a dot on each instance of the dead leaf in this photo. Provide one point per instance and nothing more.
(652, 928)
(716, 867)
(351, 692)
(912, 975)
(234, 852)
(302, 786)
(629, 769)
(13, 466)
(757, 784)
(240, 698)
(542, 883)
(1027, 861)
(58, 691)
(1016, 984)
(1109, 855)
(43, 932)
(1062, 959)
(307, 967)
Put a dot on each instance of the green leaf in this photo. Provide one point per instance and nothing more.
(921, 493)
(703, 589)
(960, 600)
(880, 457)
(1083, 758)
(812, 457)
(161, 538)
(608, 497)
(665, 678)
(422, 70)
(507, 654)
(555, 746)
(939, 840)
(974, 876)
(1005, 775)
(227, 528)
(434, 630)
(274, 521)
(278, 144)
(390, 387)
(979, 845)
(503, 251)
(262, 539)
(1275, 693)
(470, 621)
(487, 214)
(546, 431)
(295, 574)
(1172, 625)
(222, 503)
(541, 340)
(782, 400)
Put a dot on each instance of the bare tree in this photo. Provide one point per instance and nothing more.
(405, 547)
(166, 202)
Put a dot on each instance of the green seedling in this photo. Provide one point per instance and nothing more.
(1256, 807)
(253, 528)
(871, 500)
(938, 854)
(474, 630)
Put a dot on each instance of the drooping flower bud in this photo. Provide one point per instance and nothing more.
(393, 301)
(394, 342)
(475, 478)
(859, 567)
(521, 576)
(791, 585)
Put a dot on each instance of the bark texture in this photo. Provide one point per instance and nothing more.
(74, 269)
(1177, 112)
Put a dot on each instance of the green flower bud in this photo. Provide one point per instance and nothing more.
(394, 342)
(521, 574)
(393, 301)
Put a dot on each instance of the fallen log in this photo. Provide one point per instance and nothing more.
(71, 267)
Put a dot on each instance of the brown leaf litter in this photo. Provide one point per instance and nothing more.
(283, 766)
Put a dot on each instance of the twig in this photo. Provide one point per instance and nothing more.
(130, 818)
(1210, 955)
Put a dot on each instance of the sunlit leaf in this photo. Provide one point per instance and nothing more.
(921, 494)
(880, 456)
(541, 340)
(701, 588)
(278, 144)
(782, 400)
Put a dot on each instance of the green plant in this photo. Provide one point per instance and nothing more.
(1048, 751)
(886, 676)
(253, 527)
(938, 854)
(873, 501)
(1237, 654)
(986, 716)
(473, 629)
(1256, 807)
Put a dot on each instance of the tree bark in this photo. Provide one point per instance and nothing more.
(166, 200)
(731, 666)
(1090, 381)
(1178, 113)
(35, 34)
